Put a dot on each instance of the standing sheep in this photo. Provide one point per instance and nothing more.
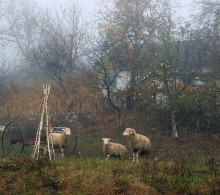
(140, 144)
(60, 140)
(114, 149)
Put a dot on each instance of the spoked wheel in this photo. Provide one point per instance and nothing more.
(12, 139)
(72, 142)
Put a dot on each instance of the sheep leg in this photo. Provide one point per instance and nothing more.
(53, 152)
(107, 156)
(51, 140)
(137, 157)
(134, 158)
(62, 152)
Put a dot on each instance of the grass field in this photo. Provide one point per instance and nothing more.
(97, 176)
(190, 165)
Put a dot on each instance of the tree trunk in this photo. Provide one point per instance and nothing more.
(115, 107)
(119, 120)
(175, 133)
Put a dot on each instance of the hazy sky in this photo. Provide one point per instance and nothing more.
(185, 7)
(89, 5)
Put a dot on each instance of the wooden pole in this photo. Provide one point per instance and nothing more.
(38, 135)
(46, 90)
(46, 93)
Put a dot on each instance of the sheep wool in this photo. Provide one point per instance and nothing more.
(59, 140)
(140, 144)
(114, 149)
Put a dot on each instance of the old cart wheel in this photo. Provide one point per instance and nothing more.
(12, 139)
(72, 143)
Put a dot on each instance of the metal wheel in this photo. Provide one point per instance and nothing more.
(12, 139)
(72, 142)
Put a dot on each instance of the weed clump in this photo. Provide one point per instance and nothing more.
(121, 185)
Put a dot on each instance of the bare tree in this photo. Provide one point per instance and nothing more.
(60, 48)
(106, 67)
(19, 27)
(17, 37)
(5, 76)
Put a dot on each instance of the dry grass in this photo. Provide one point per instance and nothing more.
(97, 176)
(27, 100)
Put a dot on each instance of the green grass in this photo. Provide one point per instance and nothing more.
(70, 175)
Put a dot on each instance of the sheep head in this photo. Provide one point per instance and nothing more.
(67, 131)
(106, 140)
(129, 132)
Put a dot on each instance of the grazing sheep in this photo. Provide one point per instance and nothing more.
(59, 140)
(114, 149)
(140, 144)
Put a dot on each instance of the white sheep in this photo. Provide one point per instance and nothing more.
(114, 149)
(60, 140)
(140, 144)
